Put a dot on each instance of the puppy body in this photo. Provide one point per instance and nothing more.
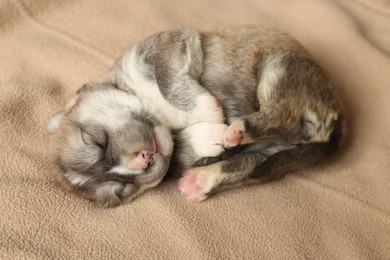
(282, 115)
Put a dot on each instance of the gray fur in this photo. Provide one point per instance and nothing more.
(271, 93)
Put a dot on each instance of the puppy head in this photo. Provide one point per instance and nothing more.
(107, 147)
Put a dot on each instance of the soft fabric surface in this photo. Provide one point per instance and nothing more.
(339, 210)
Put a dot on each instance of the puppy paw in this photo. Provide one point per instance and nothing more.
(206, 139)
(234, 134)
(208, 109)
(197, 183)
(192, 185)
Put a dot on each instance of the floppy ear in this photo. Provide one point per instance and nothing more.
(92, 86)
(86, 87)
(54, 122)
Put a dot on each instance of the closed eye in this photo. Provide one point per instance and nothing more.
(100, 140)
(103, 144)
(307, 122)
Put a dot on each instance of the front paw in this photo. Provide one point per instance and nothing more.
(197, 183)
(234, 134)
(206, 139)
(208, 109)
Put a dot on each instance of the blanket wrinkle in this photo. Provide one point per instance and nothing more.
(339, 194)
(370, 24)
(65, 36)
(379, 6)
(338, 210)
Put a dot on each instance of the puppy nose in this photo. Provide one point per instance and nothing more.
(143, 159)
(147, 155)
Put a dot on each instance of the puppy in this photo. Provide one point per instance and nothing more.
(252, 91)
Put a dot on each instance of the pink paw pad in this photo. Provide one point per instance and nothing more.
(191, 185)
(234, 134)
(235, 138)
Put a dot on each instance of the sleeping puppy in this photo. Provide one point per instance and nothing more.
(108, 147)
(114, 140)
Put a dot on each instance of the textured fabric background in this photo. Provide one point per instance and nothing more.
(339, 210)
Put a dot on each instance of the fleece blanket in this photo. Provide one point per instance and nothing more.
(339, 210)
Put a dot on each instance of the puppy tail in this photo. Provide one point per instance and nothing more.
(298, 158)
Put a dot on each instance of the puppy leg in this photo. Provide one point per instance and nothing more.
(177, 71)
(205, 139)
(195, 143)
(272, 123)
(174, 61)
(199, 183)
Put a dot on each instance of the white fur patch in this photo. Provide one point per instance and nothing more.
(54, 122)
(312, 117)
(314, 127)
(272, 72)
(206, 139)
(318, 129)
(123, 170)
(76, 178)
(107, 188)
(330, 119)
(109, 108)
(207, 110)
(163, 140)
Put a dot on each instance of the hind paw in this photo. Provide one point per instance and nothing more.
(197, 183)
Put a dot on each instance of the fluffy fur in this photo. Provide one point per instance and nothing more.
(252, 91)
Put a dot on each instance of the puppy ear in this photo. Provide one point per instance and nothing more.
(86, 87)
(55, 122)
(92, 86)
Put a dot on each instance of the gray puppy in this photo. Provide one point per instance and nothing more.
(252, 91)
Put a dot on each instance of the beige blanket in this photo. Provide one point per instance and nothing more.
(340, 210)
